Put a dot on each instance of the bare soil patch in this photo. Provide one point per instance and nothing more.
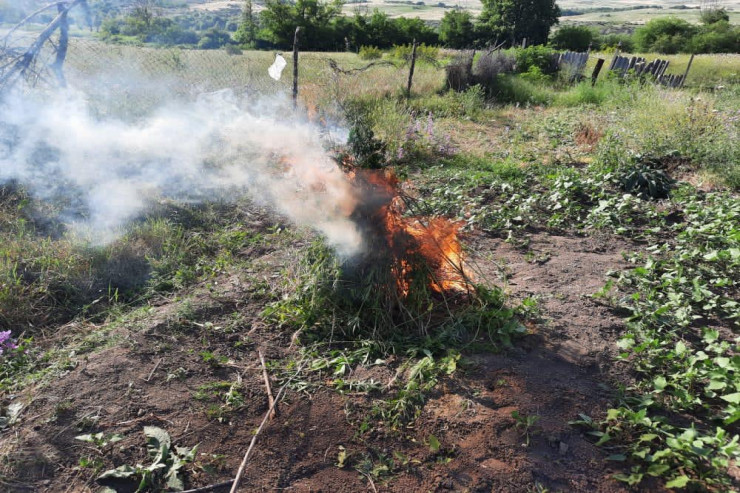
(154, 372)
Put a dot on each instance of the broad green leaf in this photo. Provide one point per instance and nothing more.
(617, 457)
(186, 454)
(632, 479)
(716, 385)
(680, 347)
(722, 362)
(666, 452)
(604, 438)
(88, 437)
(157, 435)
(657, 469)
(659, 383)
(711, 335)
(647, 437)
(678, 482)
(120, 472)
(174, 481)
(433, 443)
(732, 398)
(158, 443)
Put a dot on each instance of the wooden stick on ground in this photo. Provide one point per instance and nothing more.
(245, 460)
(270, 399)
(153, 370)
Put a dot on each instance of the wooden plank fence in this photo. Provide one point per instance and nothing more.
(643, 69)
(572, 64)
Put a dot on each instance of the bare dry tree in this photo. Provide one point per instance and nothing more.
(707, 7)
(16, 64)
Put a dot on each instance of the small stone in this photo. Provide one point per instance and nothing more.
(563, 448)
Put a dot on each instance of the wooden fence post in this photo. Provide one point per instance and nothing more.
(685, 74)
(295, 68)
(411, 69)
(597, 69)
(612, 66)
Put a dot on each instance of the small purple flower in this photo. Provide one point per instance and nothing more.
(5, 342)
(399, 156)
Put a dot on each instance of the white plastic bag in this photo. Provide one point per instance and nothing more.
(276, 69)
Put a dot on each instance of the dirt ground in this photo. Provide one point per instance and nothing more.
(150, 371)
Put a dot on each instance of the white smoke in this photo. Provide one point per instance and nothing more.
(210, 148)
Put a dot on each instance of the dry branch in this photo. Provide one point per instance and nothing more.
(23, 63)
(271, 400)
(336, 68)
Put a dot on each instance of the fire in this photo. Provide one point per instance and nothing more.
(419, 248)
(415, 243)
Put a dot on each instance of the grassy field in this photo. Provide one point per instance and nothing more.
(595, 350)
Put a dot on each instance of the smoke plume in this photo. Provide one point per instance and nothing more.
(213, 147)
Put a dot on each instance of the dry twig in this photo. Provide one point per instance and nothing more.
(270, 399)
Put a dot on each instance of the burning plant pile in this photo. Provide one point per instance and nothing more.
(410, 275)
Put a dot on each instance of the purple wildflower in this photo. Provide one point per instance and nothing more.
(5, 342)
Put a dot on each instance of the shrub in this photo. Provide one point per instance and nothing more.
(719, 37)
(574, 38)
(542, 57)
(664, 35)
(233, 49)
(714, 15)
(460, 72)
(214, 39)
(612, 42)
(370, 53)
(423, 52)
(367, 150)
(491, 65)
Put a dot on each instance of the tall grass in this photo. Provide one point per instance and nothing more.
(663, 122)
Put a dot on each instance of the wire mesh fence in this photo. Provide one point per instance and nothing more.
(143, 76)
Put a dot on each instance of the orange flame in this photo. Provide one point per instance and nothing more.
(415, 240)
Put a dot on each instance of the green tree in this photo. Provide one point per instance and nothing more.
(514, 20)
(456, 29)
(246, 34)
(316, 19)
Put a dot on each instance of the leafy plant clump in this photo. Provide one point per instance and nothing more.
(165, 471)
(646, 182)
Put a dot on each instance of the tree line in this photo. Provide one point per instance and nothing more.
(324, 27)
(501, 22)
